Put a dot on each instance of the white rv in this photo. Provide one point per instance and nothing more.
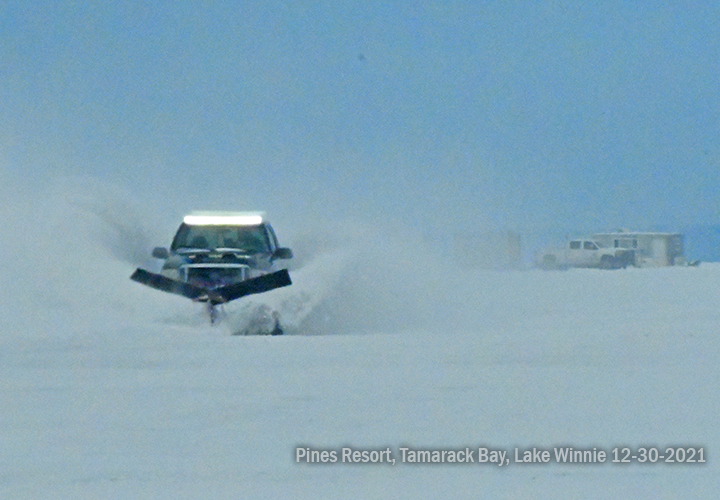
(651, 249)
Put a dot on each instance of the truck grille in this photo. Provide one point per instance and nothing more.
(215, 275)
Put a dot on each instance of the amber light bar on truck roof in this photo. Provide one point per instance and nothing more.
(224, 219)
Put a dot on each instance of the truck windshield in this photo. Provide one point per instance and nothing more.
(250, 239)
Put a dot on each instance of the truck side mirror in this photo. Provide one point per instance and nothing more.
(160, 253)
(282, 253)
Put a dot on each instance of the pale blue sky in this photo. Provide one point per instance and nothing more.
(520, 115)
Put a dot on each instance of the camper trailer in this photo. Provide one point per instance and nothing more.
(650, 249)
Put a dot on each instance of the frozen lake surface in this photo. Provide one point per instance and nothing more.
(113, 390)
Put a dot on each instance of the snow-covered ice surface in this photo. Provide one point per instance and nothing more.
(112, 390)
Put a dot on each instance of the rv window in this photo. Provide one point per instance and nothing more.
(589, 245)
(574, 245)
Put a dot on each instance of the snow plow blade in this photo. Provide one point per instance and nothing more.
(165, 284)
(255, 285)
(213, 295)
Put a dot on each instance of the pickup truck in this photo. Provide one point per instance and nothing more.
(218, 257)
(587, 253)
